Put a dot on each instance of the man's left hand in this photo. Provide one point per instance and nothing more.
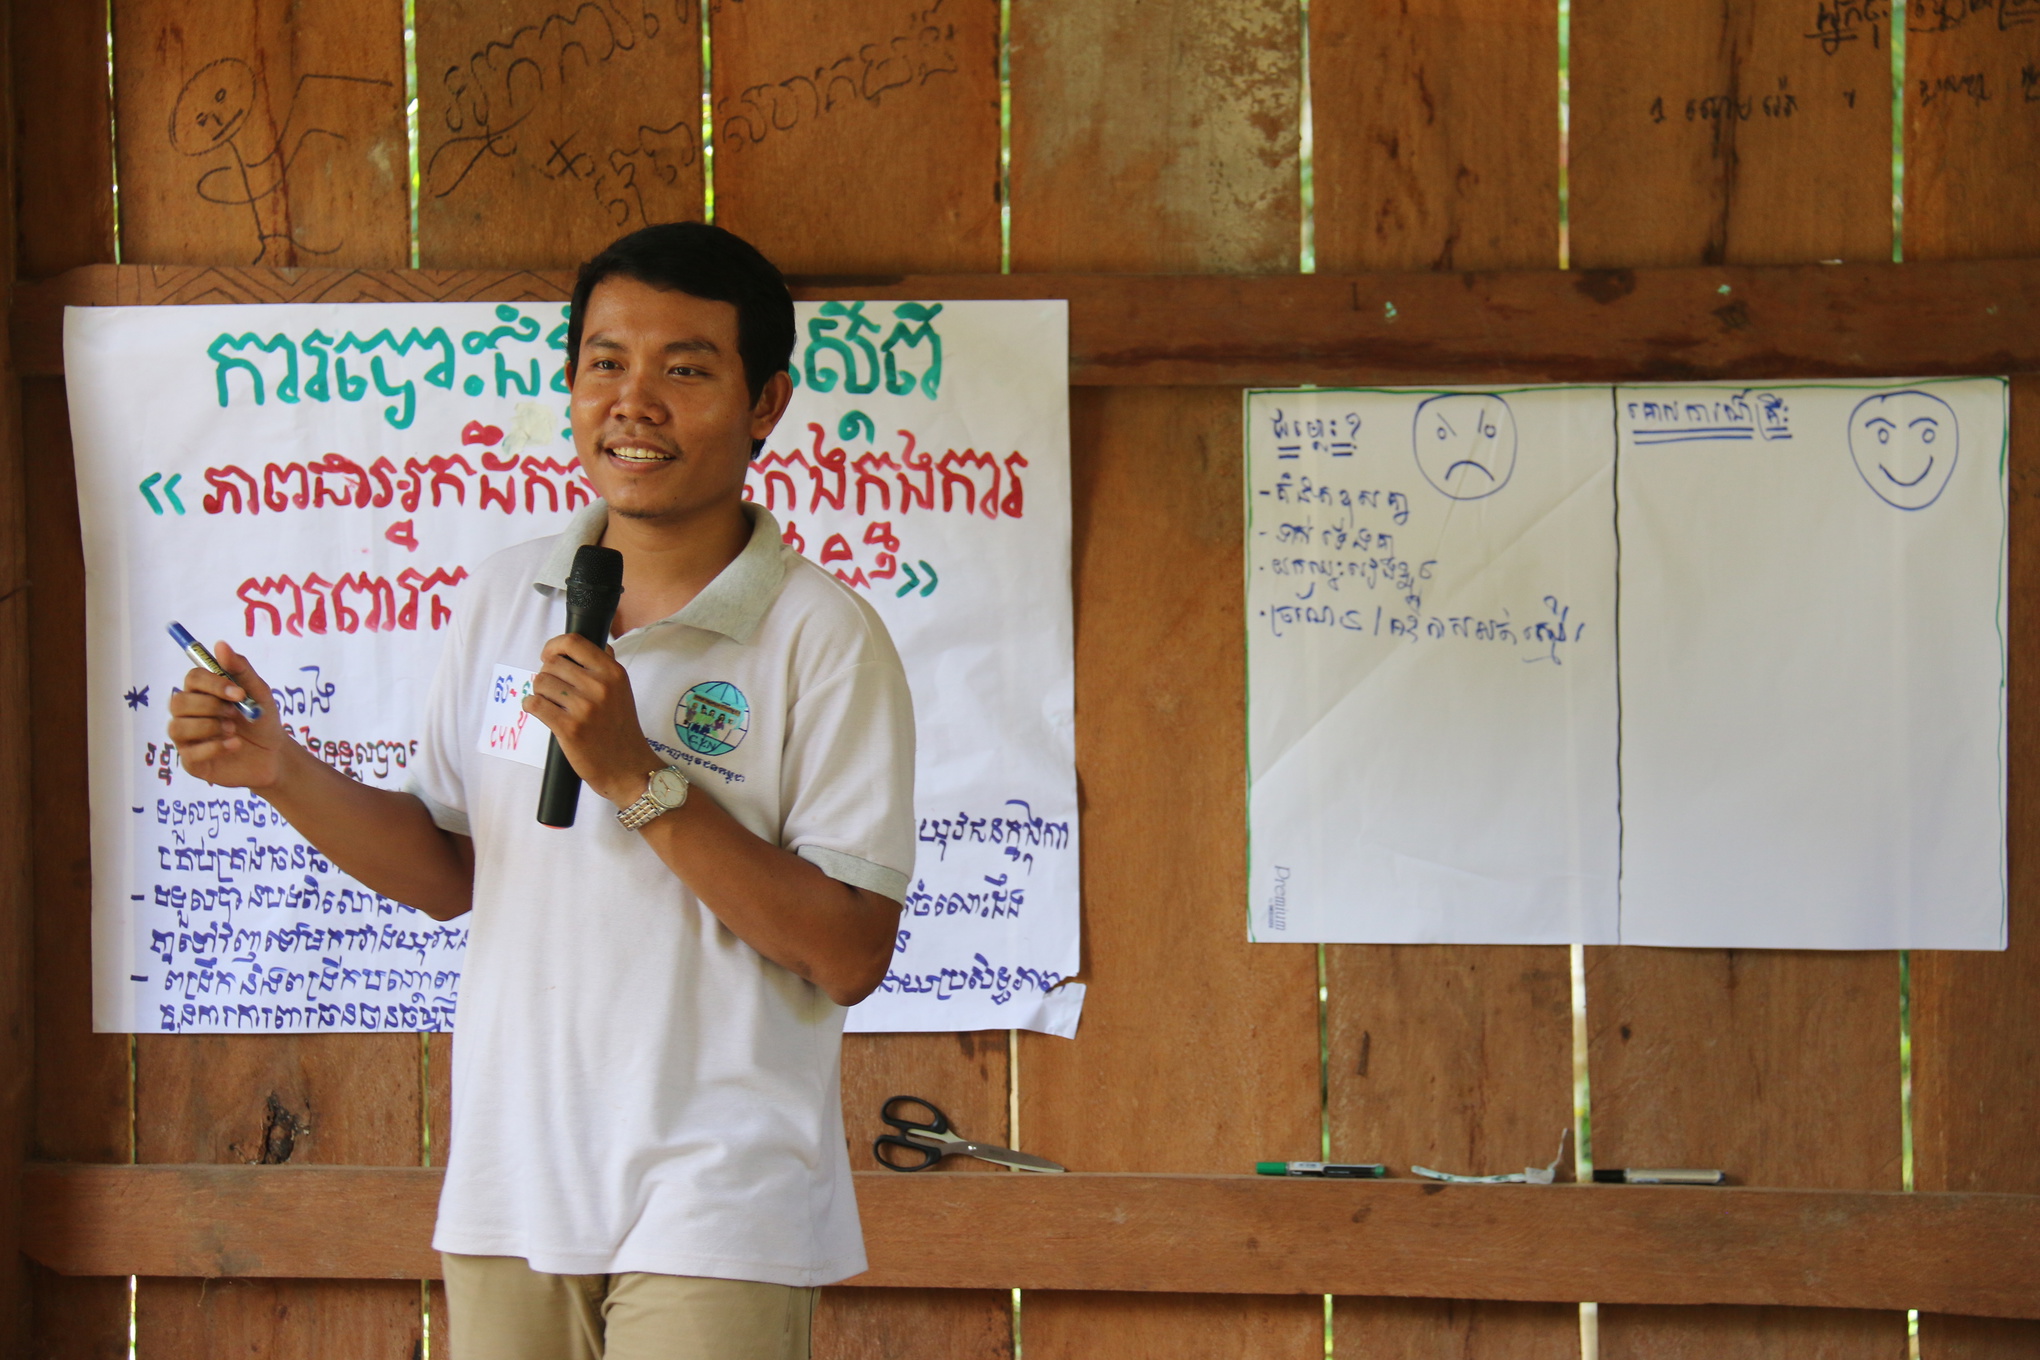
(584, 696)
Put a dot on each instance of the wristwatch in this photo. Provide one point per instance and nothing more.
(666, 791)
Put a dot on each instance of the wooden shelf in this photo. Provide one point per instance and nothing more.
(1758, 323)
(1948, 1253)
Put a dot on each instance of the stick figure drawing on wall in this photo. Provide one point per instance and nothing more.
(225, 109)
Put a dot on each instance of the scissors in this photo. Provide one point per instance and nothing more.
(927, 1138)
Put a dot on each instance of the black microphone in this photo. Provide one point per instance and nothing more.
(593, 588)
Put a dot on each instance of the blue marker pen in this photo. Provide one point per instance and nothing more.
(200, 657)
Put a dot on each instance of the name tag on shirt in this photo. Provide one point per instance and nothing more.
(507, 730)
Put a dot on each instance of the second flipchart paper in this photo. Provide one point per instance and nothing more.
(1706, 665)
(1813, 665)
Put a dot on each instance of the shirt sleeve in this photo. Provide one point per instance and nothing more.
(848, 777)
(437, 776)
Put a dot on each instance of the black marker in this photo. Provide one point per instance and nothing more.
(1611, 1175)
(1329, 1170)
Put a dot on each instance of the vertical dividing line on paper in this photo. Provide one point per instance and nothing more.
(411, 114)
(112, 132)
(1305, 151)
(707, 117)
(1615, 517)
(1583, 1086)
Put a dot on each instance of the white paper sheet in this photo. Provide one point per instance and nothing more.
(328, 528)
(1813, 665)
(1431, 666)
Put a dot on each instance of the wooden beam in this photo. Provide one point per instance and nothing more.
(1756, 323)
(1973, 1254)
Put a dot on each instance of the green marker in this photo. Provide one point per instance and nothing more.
(1330, 1170)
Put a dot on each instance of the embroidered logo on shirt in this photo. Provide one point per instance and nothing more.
(711, 718)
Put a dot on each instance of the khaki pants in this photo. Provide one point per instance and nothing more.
(502, 1309)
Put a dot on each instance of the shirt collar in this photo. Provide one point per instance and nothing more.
(732, 604)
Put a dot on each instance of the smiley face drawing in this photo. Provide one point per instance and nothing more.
(1465, 444)
(1904, 444)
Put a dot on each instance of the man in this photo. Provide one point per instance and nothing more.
(647, 1149)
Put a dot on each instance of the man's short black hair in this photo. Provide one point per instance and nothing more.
(705, 262)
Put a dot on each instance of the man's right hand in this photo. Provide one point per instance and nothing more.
(214, 741)
(385, 839)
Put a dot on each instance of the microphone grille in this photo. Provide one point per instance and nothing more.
(597, 575)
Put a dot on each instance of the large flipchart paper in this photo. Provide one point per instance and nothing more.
(1431, 674)
(315, 484)
(1745, 643)
(1813, 665)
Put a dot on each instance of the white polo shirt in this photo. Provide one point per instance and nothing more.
(634, 1087)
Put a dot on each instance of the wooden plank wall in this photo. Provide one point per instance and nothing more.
(1147, 136)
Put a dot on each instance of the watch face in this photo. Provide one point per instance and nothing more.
(668, 788)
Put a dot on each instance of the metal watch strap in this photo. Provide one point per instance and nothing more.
(647, 808)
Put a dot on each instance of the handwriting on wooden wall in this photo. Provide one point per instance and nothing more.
(923, 46)
(531, 96)
(1835, 28)
(1996, 44)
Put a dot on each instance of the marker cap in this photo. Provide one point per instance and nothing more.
(1271, 1168)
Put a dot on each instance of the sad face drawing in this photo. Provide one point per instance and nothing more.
(1465, 443)
(1904, 444)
